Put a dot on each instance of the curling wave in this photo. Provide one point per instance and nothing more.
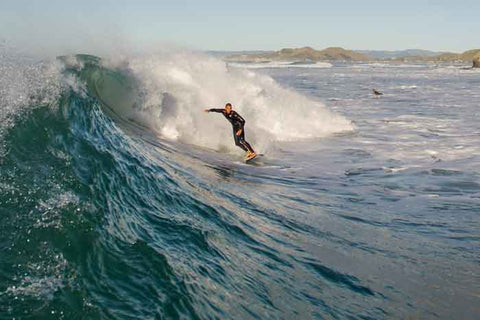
(167, 94)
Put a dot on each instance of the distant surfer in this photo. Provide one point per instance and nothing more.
(238, 124)
(377, 93)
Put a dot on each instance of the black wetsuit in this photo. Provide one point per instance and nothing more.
(237, 123)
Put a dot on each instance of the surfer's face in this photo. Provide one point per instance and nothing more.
(228, 109)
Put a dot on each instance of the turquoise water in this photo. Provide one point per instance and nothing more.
(103, 218)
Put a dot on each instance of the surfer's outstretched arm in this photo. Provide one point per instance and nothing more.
(214, 110)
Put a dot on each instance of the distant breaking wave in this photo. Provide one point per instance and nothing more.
(281, 64)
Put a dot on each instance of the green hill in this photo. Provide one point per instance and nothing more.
(308, 54)
(304, 54)
(467, 56)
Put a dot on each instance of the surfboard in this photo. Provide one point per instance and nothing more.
(252, 159)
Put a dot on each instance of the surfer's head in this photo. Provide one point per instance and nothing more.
(228, 107)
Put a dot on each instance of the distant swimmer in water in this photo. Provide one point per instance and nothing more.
(238, 124)
(377, 93)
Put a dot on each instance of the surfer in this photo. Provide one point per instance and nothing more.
(377, 93)
(238, 124)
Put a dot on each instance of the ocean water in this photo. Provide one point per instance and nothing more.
(121, 199)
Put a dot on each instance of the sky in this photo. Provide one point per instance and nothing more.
(241, 25)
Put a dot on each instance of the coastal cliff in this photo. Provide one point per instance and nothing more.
(476, 61)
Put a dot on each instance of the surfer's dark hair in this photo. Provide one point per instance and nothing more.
(228, 105)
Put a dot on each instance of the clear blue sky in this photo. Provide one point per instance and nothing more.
(244, 24)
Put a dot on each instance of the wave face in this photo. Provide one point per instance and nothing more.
(102, 219)
(110, 207)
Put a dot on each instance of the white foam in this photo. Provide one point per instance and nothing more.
(388, 65)
(408, 87)
(280, 64)
(49, 212)
(179, 86)
(41, 279)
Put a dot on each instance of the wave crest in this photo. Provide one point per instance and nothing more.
(174, 89)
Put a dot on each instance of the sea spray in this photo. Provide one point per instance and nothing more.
(176, 87)
(24, 83)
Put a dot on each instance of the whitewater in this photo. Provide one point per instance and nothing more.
(121, 199)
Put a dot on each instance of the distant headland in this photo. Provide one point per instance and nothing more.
(308, 54)
(304, 54)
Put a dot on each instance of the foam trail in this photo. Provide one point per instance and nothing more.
(178, 86)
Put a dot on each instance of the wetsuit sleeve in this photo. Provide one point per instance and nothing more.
(215, 110)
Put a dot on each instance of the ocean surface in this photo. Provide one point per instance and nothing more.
(121, 199)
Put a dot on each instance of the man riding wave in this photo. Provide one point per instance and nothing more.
(238, 124)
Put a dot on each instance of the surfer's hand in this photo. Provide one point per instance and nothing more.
(239, 132)
(206, 110)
